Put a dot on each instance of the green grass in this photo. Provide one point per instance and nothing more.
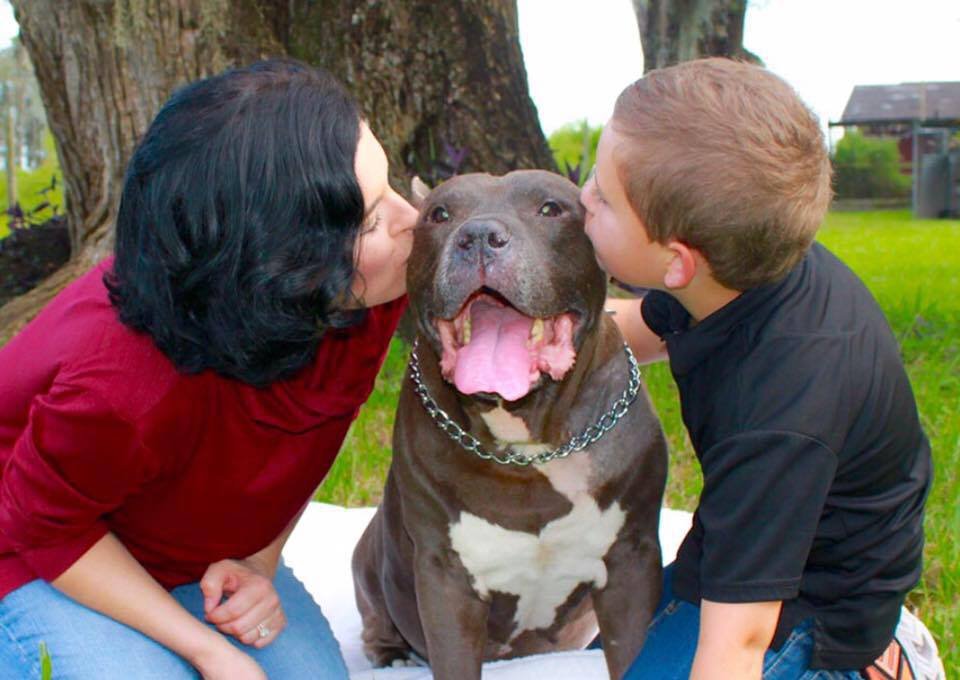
(913, 269)
(358, 475)
(46, 667)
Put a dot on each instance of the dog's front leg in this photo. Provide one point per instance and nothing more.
(625, 606)
(454, 618)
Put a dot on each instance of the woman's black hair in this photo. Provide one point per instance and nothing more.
(237, 222)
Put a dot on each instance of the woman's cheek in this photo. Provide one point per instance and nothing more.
(371, 257)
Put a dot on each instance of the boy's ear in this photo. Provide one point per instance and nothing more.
(418, 191)
(682, 265)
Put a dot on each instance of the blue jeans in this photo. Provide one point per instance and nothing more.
(86, 645)
(672, 640)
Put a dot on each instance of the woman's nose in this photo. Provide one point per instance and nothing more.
(406, 217)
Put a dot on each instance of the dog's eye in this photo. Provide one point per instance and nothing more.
(439, 214)
(550, 209)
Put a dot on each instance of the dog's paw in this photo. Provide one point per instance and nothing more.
(394, 657)
(403, 663)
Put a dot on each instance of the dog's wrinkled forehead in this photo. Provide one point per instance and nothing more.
(527, 193)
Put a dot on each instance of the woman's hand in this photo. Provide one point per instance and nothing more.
(252, 612)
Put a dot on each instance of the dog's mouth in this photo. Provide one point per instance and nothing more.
(490, 346)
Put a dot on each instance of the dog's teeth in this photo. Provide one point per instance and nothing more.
(466, 330)
(536, 333)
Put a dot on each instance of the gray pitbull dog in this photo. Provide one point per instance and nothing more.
(494, 545)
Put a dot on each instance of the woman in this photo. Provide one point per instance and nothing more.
(165, 420)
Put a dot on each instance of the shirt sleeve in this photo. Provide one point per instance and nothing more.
(75, 462)
(763, 496)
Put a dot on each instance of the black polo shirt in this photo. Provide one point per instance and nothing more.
(815, 466)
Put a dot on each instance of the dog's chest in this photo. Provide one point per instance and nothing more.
(542, 569)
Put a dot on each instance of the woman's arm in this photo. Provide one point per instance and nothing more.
(109, 580)
(269, 557)
(253, 613)
(646, 346)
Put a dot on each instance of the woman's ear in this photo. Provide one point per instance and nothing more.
(418, 191)
(682, 265)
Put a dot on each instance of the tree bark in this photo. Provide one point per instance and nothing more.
(104, 68)
(434, 79)
(672, 31)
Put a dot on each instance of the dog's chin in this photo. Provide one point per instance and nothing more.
(486, 397)
(491, 350)
(497, 399)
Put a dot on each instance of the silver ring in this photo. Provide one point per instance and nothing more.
(262, 630)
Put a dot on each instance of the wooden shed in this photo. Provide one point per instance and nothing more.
(925, 117)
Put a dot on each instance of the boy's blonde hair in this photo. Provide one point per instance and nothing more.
(724, 157)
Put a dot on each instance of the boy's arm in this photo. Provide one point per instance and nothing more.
(646, 345)
(733, 639)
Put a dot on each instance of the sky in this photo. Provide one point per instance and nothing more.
(580, 54)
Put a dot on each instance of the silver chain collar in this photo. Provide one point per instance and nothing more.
(508, 456)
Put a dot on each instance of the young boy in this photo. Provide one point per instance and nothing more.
(711, 181)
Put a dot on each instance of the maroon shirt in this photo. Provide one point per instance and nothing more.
(99, 432)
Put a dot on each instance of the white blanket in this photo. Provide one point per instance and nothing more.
(325, 571)
(319, 552)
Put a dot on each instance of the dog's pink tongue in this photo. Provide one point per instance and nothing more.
(497, 358)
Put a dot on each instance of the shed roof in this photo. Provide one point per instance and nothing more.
(928, 103)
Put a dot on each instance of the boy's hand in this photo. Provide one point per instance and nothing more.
(733, 639)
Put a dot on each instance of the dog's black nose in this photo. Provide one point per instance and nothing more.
(482, 235)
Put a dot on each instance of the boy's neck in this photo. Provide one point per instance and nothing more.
(701, 298)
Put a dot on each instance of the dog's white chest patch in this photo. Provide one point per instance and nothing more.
(510, 429)
(543, 569)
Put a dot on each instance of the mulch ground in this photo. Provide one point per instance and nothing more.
(27, 256)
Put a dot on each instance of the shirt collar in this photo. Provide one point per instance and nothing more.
(689, 348)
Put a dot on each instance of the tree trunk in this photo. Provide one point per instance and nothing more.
(104, 68)
(672, 31)
(439, 81)
(442, 84)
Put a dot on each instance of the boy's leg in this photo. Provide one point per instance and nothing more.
(792, 660)
(82, 643)
(306, 648)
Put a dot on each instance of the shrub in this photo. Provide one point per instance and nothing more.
(568, 144)
(30, 189)
(865, 167)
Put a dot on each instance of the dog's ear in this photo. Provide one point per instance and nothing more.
(418, 191)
